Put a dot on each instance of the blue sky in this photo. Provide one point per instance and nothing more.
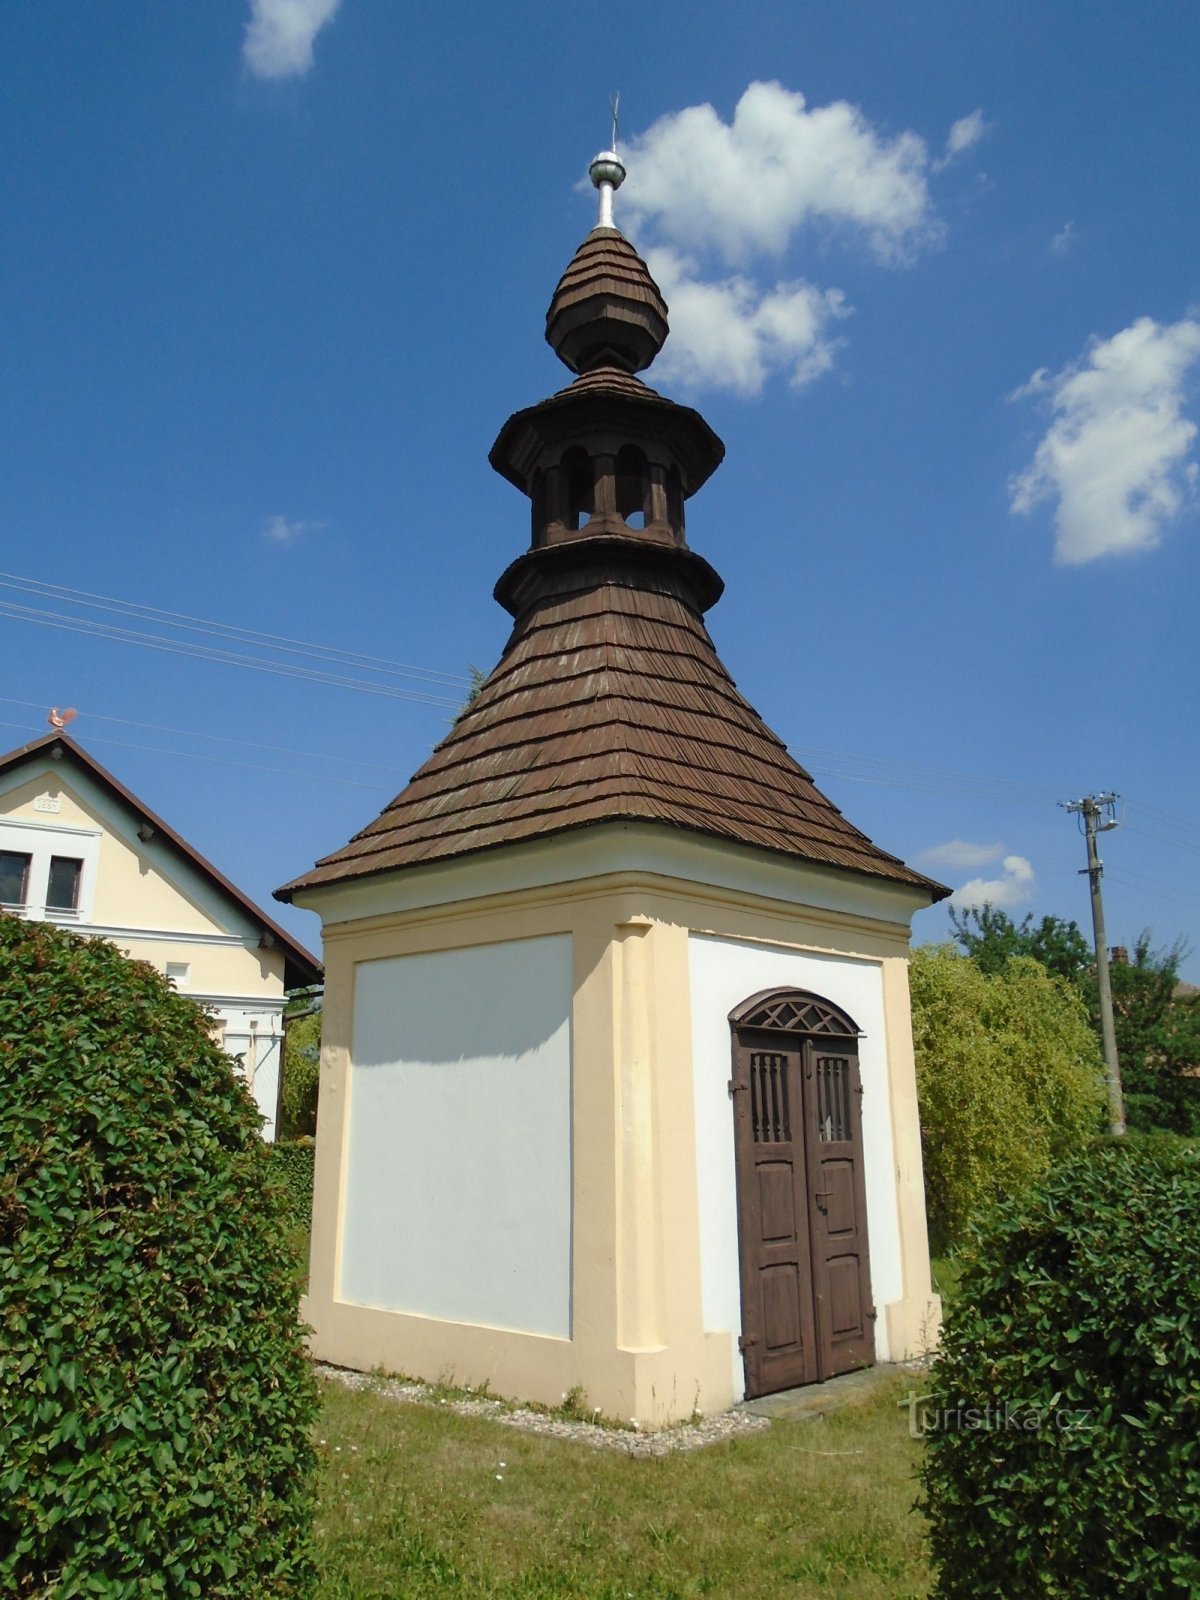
(267, 296)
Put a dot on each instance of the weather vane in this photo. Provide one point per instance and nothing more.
(615, 107)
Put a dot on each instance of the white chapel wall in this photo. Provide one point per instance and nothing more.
(723, 973)
(457, 1198)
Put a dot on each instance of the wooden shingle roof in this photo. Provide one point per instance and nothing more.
(606, 308)
(609, 704)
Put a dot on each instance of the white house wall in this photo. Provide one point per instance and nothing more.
(724, 972)
(458, 1169)
(253, 1034)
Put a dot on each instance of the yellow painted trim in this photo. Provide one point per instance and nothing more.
(637, 1343)
(914, 1322)
(725, 911)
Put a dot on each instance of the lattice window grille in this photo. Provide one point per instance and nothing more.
(833, 1098)
(798, 1014)
(770, 1109)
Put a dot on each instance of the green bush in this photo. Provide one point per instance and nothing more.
(1009, 1080)
(156, 1401)
(293, 1163)
(1075, 1341)
(301, 1077)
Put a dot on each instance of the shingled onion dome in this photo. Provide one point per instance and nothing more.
(607, 310)
(609, 703)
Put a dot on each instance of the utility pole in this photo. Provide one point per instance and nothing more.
(1097, 813)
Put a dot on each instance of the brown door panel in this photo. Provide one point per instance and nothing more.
(778, 1329)
(802, 1225)
(837, 1208)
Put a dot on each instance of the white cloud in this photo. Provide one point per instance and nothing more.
(1063, 239)
(961, 855)
(1115, 457)
(709, 201)
(1012, 889)
(1037, 383)
(964, 133)
(278, 530)
(280, 33)
(743, 188)
(732, 332)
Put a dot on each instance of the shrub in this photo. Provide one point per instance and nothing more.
(301, 1077)
(156, 1400)
(1079, 1311)
(293, 1163)
(1009, 1080)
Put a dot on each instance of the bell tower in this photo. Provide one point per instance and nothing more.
(608, 457)
(607, 888)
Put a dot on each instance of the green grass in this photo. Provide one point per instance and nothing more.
(946, 1271)
(417, 1502)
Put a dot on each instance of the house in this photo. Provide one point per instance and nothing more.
(617, 1084)
(78, 849)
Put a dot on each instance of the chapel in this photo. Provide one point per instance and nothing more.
(617, 1084)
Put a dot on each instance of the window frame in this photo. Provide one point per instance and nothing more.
(55, 906)
(27, 857)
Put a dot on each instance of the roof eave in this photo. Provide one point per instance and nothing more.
(571, 415)
(297, 959)
(911, 880)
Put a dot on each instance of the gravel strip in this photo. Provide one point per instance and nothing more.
(690, 1436)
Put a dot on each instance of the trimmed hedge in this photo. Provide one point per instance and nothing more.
(292, 1160)
(1064, 1456)
(156, 1400)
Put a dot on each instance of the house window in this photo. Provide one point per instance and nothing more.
(14, 877)
(62, 894)
(178, 972)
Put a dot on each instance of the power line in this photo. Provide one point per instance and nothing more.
(1183, 824)
(195, 733)
(220, 761)
(1144, 885)
(179, 647)
(335, 655)
(1038, 792)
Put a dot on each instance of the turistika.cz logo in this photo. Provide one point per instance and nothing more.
(928, 1414)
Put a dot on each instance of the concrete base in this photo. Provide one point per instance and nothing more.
(816, 1400)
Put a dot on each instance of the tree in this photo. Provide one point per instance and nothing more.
(1157, 1029)
(476, 679)
(991, 937)
(1158, 1039)
(1009, 1080)
(301, 1069)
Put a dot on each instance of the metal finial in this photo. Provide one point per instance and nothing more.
(607, 172)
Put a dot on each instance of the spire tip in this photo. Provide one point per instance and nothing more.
(607, 172)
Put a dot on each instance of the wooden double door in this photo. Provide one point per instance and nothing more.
(802, 1222)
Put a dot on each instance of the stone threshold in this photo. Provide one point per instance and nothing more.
(816, 1400)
